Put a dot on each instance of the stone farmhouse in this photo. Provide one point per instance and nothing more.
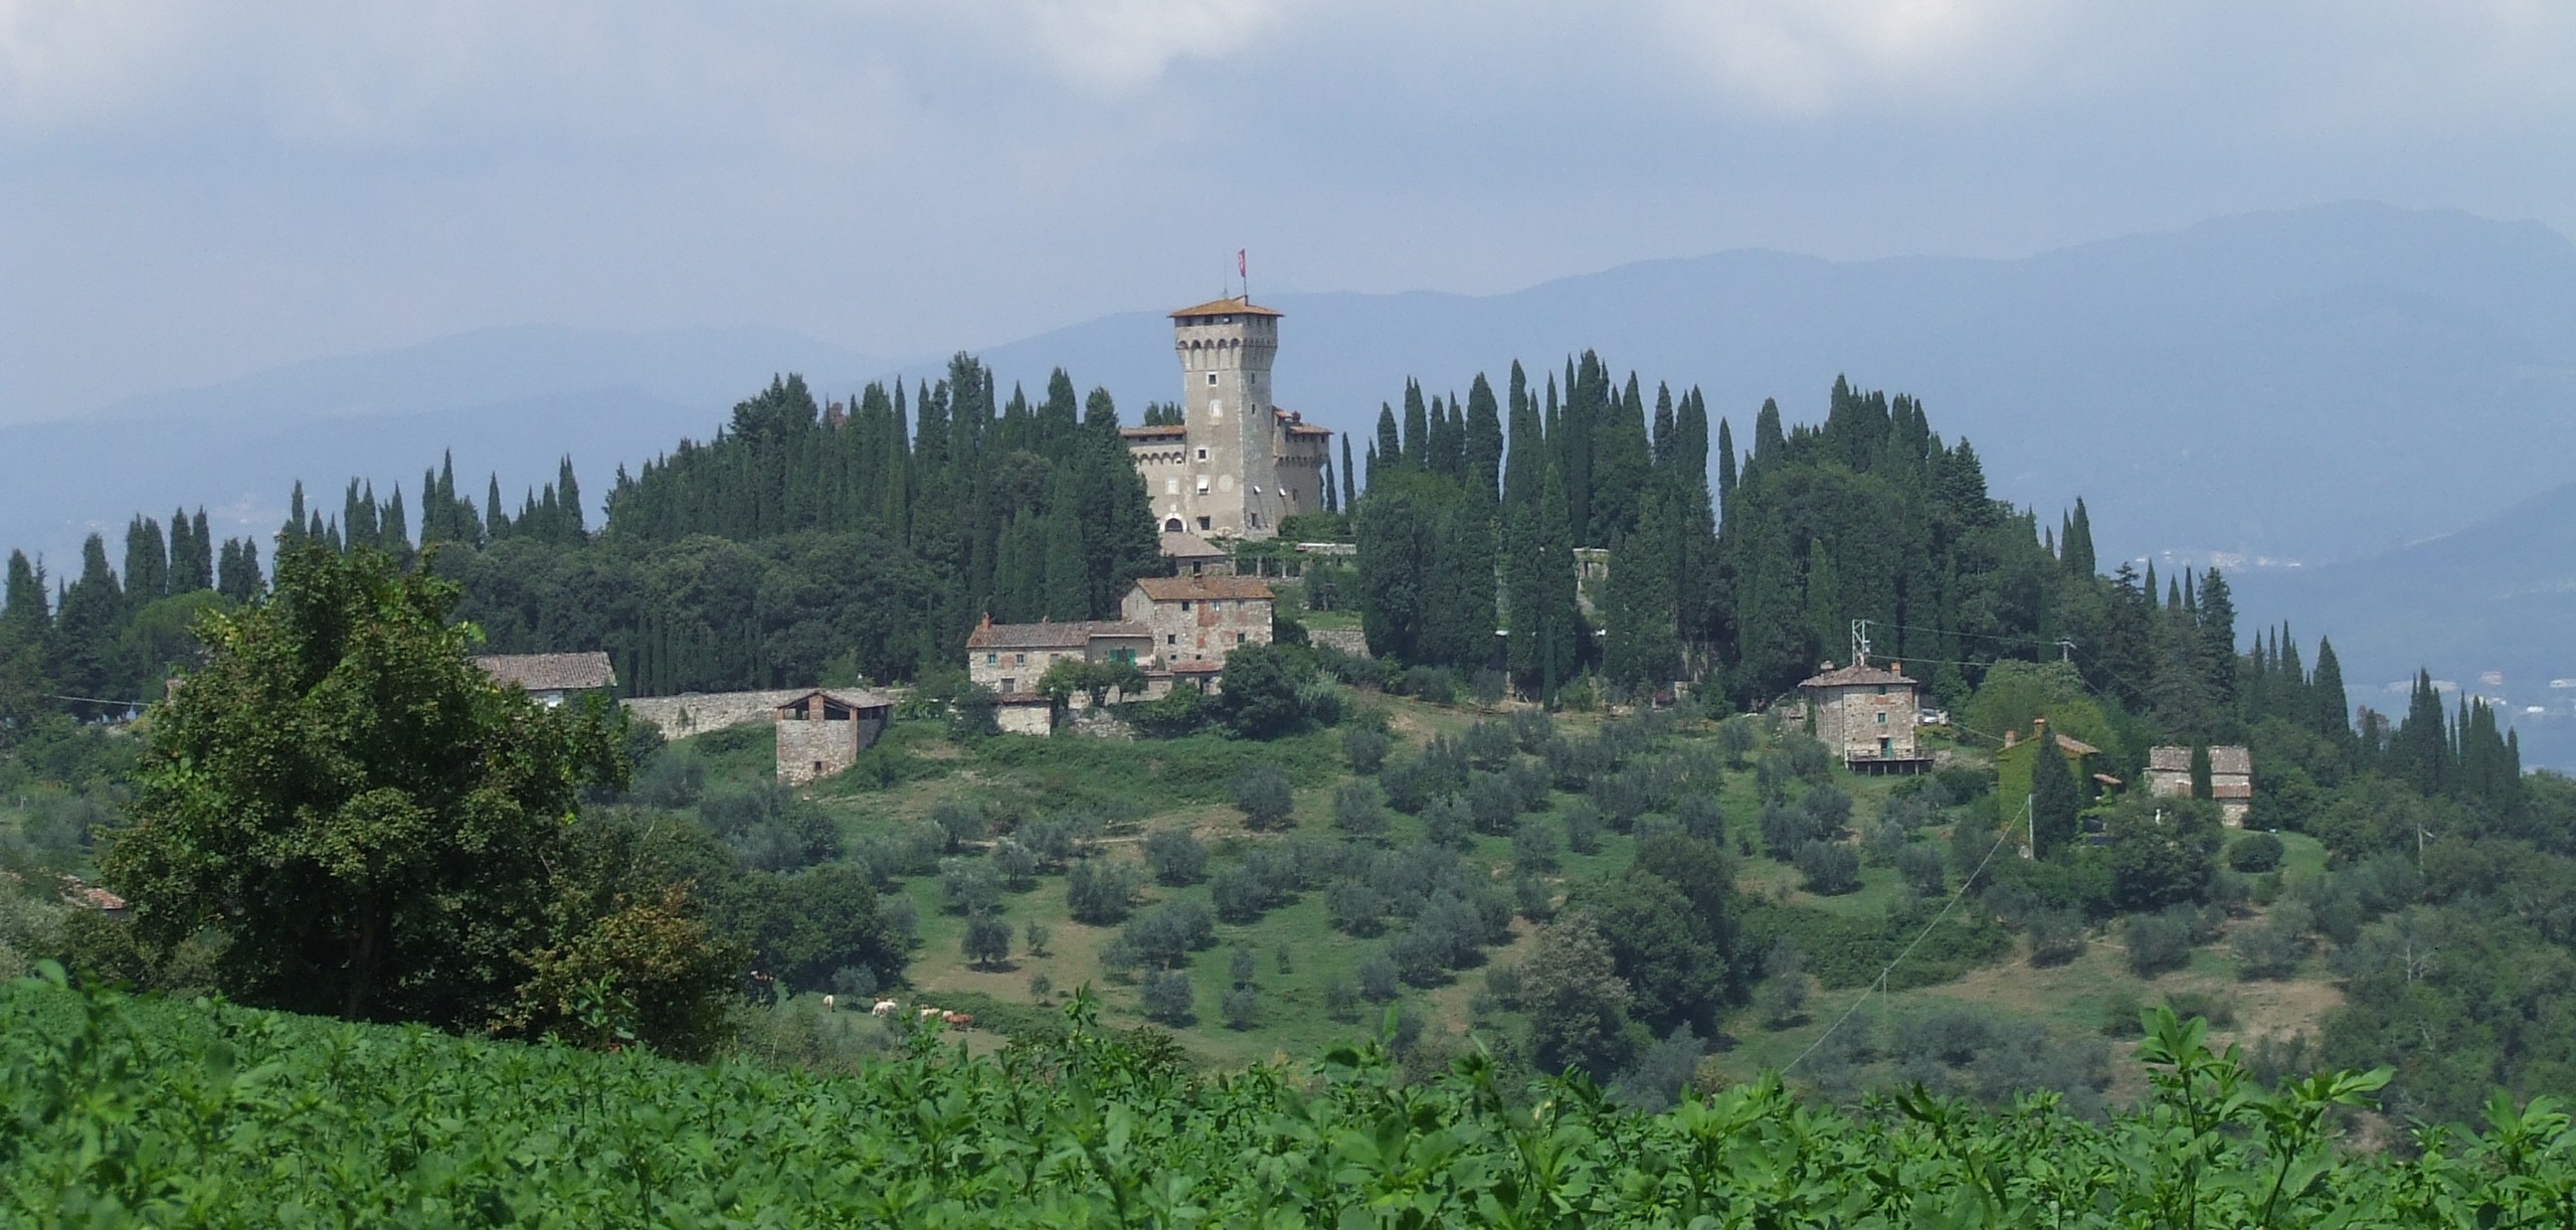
(1177, 632)
(1193, 556)
(551, 678)
(1199, 619)
(2231, 778)
(1236, 463)
(1865, 714)
(821, 732)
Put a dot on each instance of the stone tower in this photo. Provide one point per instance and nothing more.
(1236, 463)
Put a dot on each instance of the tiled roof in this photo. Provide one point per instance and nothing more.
(1862, 675)
(1225, 307)
(551, 672)
(1071, 634)
(855, 699)
(2231, 759)
(1199, 666)
(1190, 546)
(1178, 589)
(1297, 425)
(1154, 431)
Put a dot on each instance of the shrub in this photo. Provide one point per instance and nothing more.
(1167, 934)
(2056, 936)
(1489, 687)
(1661, 1072)
(1435, 684)
(1040, 987)
(1238, 893)
(1099, 892)
(1582, 828)
(2254, 853)
(2158, 943)
(987, 942)
(960, 824)
(2209, 1006)
(1830, 867)
(1490, 745)
(968, 886)
(1353, 908)
(1534, 900)
(1448, 822)
(1828, 810)
(1239, 965)
(1035, 936)
(1359, 809)
(1420, 954)
(2120, 1012)
(1534, 847)
(1492, 803)
(1175, 856)
(1922, 869)
(1785, 829)
(1701, 817)
(1242, 1008)
(1366, 747)
(1409, 785)
(1341, 1000)
(854, 982)
(2274, 947)
(1378, 978)
(1015, 863)
(1167, 997)
(1265, 797)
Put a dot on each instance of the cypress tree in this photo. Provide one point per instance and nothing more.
(2055, 798)
(2217, 624)
(1067, 567)
(2330, 712)
(1350, 493)
(1389, 451)
(25, 613)
(87, 622)
(1484, 441)
(2078, 545)
(1725, 468)
(1416, 448)
(2200, 772)
(147, 562)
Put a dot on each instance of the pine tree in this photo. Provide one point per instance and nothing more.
(1350, 493)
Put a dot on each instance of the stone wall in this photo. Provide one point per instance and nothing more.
(812, 750)
(699, 712)
(1351, 641)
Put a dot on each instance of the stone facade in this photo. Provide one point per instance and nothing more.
(2231, 778)
(1009, 659)
(822, 733)
(696, 713)
(1866, 715)
(1237, 463)
(1199, 619)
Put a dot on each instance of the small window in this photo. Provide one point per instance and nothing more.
(1202, 454)
(1882, 689)
(1256, 520)
(1203, 523)
(1010, 685)
(1171, 639)
(992, 659)
(1211, 378)
(1882, 717)
(1241, 637)
(1019, 659)
(1185, 604)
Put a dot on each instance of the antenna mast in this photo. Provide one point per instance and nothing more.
(1860, 642)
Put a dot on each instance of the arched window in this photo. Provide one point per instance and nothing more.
(1172, 525)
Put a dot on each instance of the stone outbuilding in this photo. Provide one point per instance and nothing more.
(2231, 778)
(551, 678)
(821, 732)
(1865, 714)
(1009, 659)
(1199, 619)
(1193, 556)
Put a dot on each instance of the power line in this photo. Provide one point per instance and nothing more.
(1890, 967)
(97, 700)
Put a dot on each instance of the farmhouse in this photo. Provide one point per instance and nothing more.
(1193, 556)
(2231, 778)
(1199, 619)
(821, 733)
(550, 678)
(1865, 714)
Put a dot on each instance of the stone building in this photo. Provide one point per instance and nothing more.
(1199, 619)
(550, 678)
(1193, 556)
(1236, 463)
(1865, 714)
(1009, 659)
(2231, 778)
(821, 733)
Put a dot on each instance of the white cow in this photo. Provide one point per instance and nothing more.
(885, 1007)
(831, 1004)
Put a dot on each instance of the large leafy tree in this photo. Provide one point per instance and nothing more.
(377, 831)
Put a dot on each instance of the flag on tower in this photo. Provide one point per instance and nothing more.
(1240, 270)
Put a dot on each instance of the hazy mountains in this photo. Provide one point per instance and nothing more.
(2317, 385)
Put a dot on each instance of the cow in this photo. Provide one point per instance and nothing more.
(885, 1007)
(958, 1020)
(926, 1013)
(831, 1004)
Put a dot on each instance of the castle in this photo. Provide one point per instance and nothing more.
(1235, 464)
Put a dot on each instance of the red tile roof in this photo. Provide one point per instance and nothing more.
(1179, 589)
(850, 699)
(1237, 306)
(1862, 675)
(1071, 634)
(551, 672)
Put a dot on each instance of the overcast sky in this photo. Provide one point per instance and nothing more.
(196, 189)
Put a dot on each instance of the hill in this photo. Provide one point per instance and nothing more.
(510, 401)
(2489, 608)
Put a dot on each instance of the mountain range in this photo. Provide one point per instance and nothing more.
(2363, 411)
